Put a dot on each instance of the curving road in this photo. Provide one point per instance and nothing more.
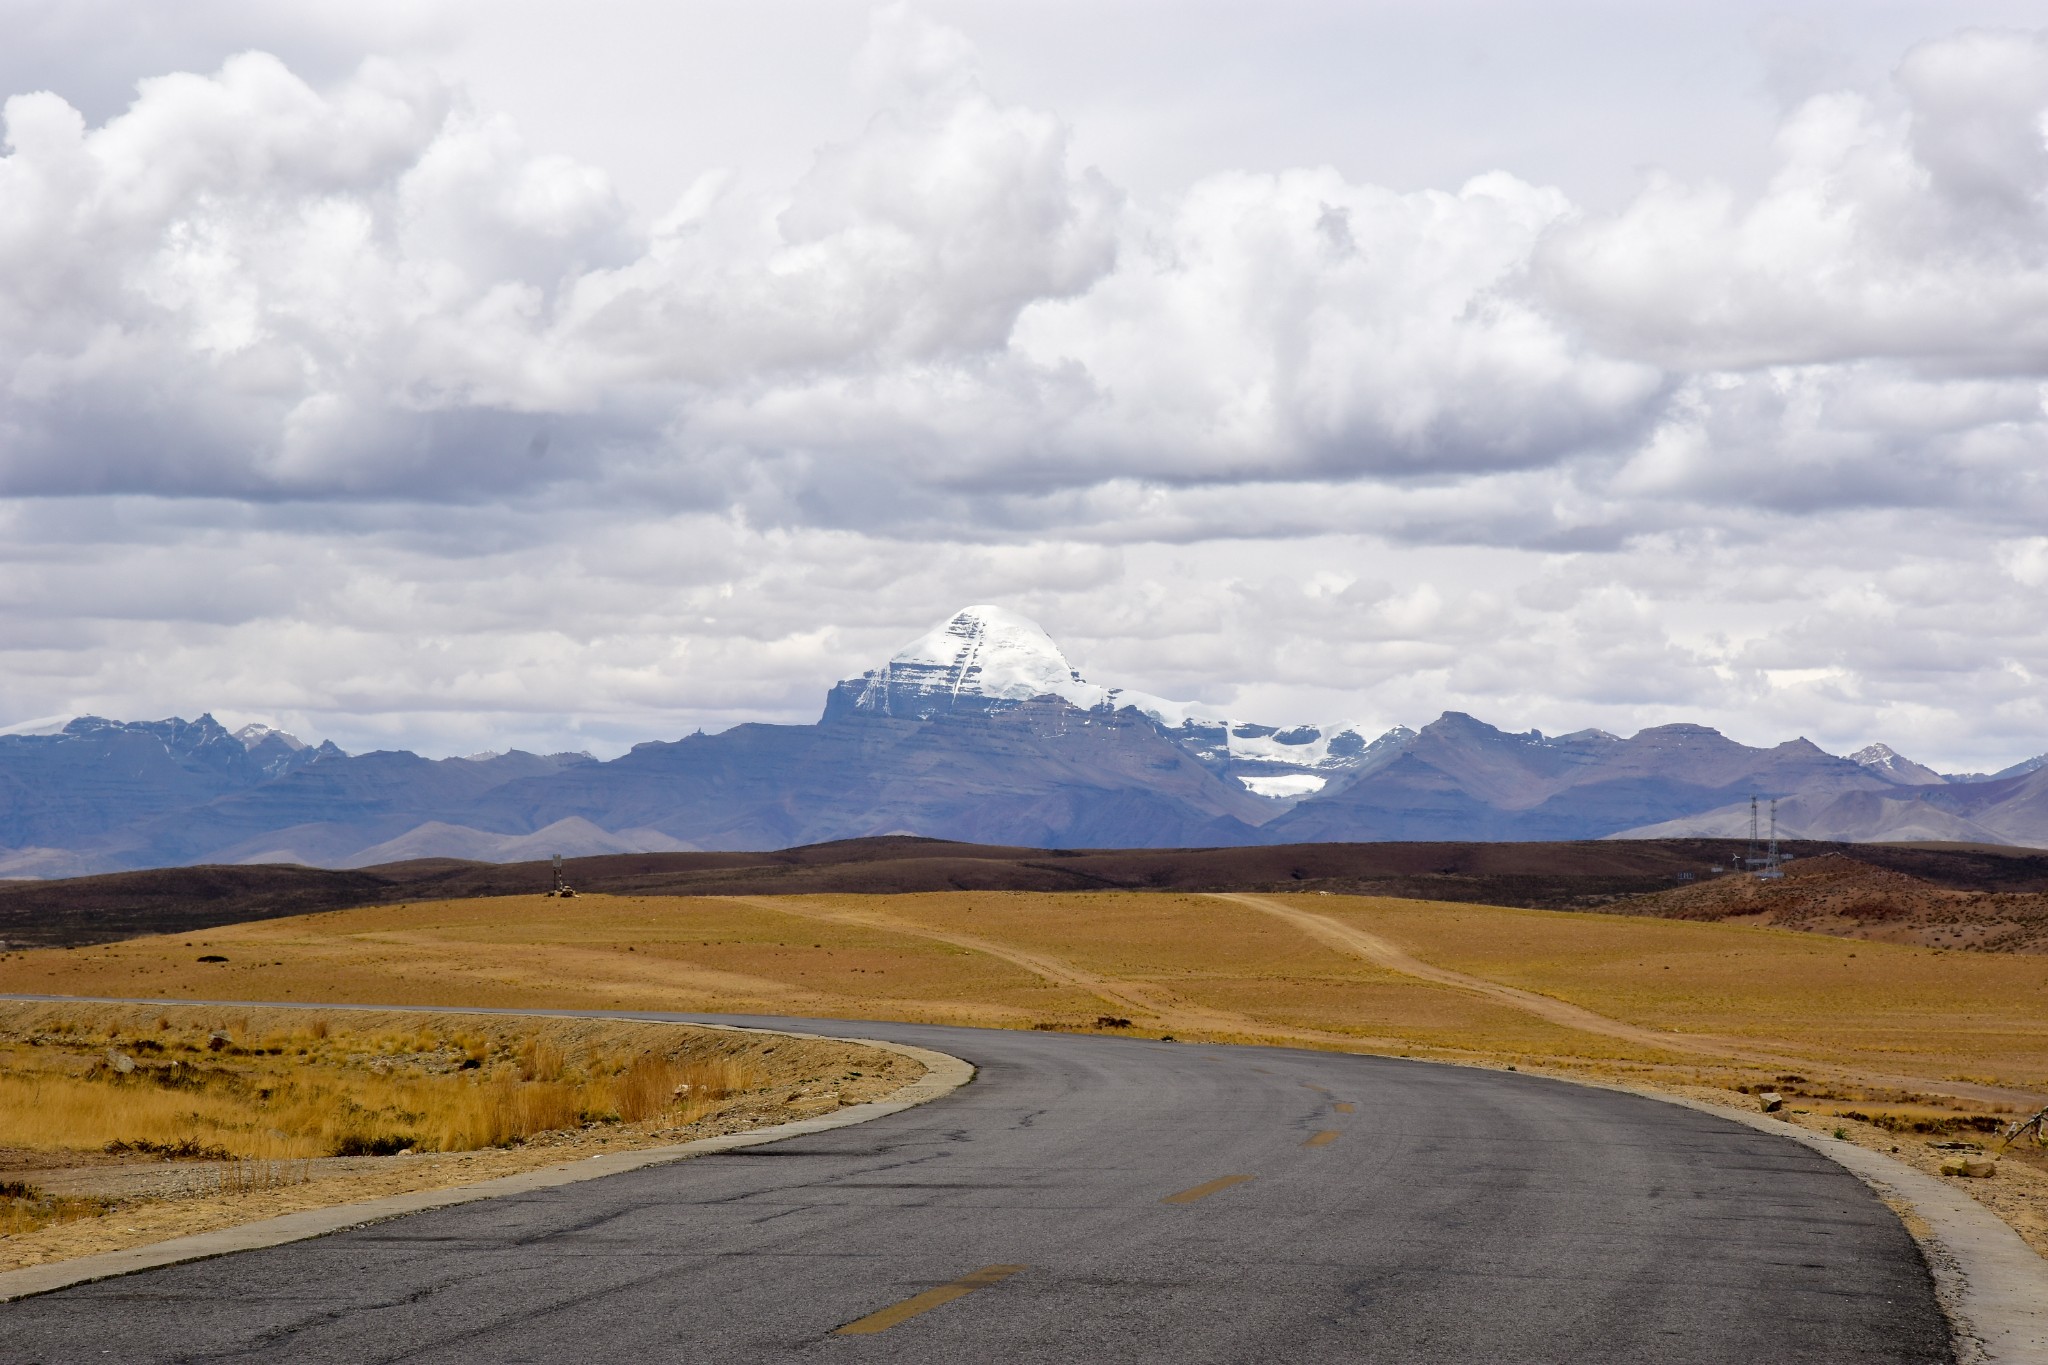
(1102, 1199)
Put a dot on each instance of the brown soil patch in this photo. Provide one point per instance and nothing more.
(1847, 897)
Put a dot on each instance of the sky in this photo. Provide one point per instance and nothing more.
(457, 376)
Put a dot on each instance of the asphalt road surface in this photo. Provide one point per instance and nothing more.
(1103, 1199)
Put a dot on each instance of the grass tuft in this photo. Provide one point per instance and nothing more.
(24, 1208)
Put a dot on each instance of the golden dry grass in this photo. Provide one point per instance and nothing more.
(182, 1118)
(1916, 1012)
(25, 1208)
(1192, 965)
(590, 952)
(216, 1089)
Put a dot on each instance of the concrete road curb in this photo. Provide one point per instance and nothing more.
(1992, 1285)
(943, 1075)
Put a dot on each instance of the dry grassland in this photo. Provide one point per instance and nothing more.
(102, 1080)
(147, 1122)
(1199, 965)
(1935, 1016)
(1899, 1035)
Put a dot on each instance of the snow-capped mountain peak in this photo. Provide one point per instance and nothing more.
(985, 654)
(984, 651)
(1893, 766)
(278, 752)
(254, 734)
(988, 656)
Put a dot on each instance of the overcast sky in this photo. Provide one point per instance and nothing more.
(472, 375)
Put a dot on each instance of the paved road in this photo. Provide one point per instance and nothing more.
(1077, 1203)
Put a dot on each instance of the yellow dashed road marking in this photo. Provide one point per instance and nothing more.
(1322, 1139)
(1204, 1191)
(888, 1317)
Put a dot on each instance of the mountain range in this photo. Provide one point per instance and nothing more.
(980, 731)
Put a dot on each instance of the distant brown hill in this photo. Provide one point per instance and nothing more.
(1643, 877)
(1851, 897)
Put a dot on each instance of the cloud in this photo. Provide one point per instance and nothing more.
(323, 388)
(246, 287)
(249, 287)
(1905, 227)
(1299, 325)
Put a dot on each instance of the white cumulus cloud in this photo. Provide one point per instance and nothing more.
(327, 391)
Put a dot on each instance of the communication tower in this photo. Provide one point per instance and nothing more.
(1772, 872)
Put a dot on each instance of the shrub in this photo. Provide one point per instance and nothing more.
(32, 1209)
(1937, 1127)
(185, 1149)
(381, 1144)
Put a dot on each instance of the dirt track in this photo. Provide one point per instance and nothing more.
(1376, 950)
(1139, 997)
(1381, 953)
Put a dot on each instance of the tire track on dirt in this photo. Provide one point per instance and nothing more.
(1136, 997)
(1382, 953)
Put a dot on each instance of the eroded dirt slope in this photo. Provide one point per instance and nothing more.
(1848, 897)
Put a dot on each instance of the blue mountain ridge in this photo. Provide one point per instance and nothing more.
(952, 740)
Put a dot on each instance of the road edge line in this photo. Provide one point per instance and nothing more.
(944, 1074)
